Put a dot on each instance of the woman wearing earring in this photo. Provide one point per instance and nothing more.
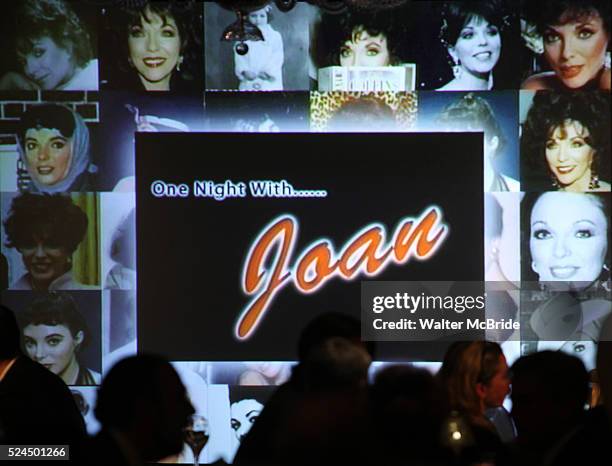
(568, 239)
(576, 38)
(567, 137)
(471, 33)
(567, 250)
(159, 42)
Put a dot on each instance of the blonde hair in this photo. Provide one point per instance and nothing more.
(465, 365)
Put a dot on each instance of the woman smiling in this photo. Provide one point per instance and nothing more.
(471, 34)
(54, 143)
(53, 49)
(157, 42)
(567, 136)
(576, 38)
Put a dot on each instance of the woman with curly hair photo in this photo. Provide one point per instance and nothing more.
(53, 48)
(566, 139)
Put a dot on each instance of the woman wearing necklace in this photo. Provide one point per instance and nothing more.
(566, 136)
(576, 38)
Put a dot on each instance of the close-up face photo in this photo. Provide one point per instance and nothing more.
(52, 346)
(47, 64)
(576, 50)
(365, 50)
(568, 238)
(154, 49)
(48, 153)
(44, 261)
(478, 46)
(569, 155)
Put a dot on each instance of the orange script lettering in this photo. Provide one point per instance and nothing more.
(366, 252)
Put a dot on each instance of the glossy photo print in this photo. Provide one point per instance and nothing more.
(62, 331)
(51, 241)
(51, 45)
(565, 141)
(567, 44)
(266, 49)
(467, 46)
(49, 146)
(153, 47)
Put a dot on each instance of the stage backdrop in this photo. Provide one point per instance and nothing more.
(229, 224)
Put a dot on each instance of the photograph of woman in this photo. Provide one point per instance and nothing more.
(46, 230)
(360, 38)
(576, 38)
(246, 403)
(471, 112)
(565, 142)
(567, 240)
(154, 46)
(54, 332)
(567, 256)
(54, 146)
(471, 34)
(53, 48)
(261, 68)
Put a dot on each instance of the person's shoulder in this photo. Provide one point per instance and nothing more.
(540, 81)
(30, 374)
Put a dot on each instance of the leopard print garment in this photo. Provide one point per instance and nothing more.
(324, 104)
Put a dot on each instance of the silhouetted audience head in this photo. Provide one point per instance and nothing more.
(336, 363)
(407, 407)
(143, 398)
(549, 392)
(328, 325)
(475, 375)
(9, 334)
(604, 364)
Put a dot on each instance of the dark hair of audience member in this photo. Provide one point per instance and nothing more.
(558, 378)
(130, 380)
(336, 363)
(407, 408)
(328, 325)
